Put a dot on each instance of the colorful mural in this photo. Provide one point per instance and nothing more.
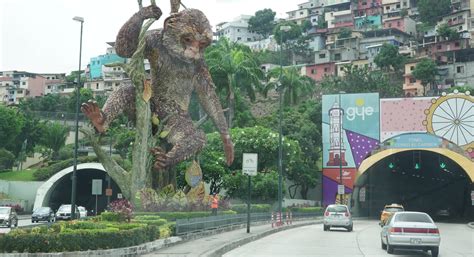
(350, 131)
(355, 124)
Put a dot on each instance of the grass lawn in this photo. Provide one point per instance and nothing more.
(23, 175)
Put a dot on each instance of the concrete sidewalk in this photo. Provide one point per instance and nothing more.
(220, 243)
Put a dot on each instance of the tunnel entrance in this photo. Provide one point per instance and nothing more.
(61, 192)
(419, 180)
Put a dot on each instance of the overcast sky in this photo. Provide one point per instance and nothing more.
(40, 36)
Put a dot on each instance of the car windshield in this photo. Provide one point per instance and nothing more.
(413, 217)
(42, 210)
(4, 210)
(336, 209)
(393, 209)
(65, 208)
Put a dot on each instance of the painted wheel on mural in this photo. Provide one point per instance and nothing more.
(451, 116)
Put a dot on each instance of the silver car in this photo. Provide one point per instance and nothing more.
(411, 230)
(337, 215)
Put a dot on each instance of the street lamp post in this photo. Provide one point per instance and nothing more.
(76, 138)
(280, 117)
(341, 113)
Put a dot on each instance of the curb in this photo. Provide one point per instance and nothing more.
(231, 246)
(470, 225)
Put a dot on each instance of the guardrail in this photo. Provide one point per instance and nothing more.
(187, 226)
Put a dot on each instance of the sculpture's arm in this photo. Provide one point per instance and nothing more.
(127, 39)
(209, 101)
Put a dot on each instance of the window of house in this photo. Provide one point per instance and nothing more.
(412, 80)
(12, 92)
(456, 44)
(249, 39)
(238, 30)
(398, 24)
(389, 25)
(322, 56)
(364, 3)
(20, 91)
(387, 8)
(460, 28)
(301, 13)
(412, 67)
(49, 87)
(460, 69)
(23, 83)
(313, 71)
(398, 6)
(239, 38)
(326, 69)
(404, 4)
(337, 57)
(439, 47)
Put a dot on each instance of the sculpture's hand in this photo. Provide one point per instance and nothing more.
(150, 12)
(92, 111)
(228, 148)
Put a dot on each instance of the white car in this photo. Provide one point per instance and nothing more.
(64, 212)
(337, 215)
(410, 230)
(82, 212)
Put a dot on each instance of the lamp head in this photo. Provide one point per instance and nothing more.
(79, 19)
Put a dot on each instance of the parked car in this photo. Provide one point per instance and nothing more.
(64, 212)
(82, 211)
(410, 230)
(337, 215)
(388, 211)
(8, 217)
(43, 214)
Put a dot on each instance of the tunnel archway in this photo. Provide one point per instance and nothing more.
(57, 189)
(429, 180)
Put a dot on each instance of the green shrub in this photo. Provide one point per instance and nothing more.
(47, 172)
(157, 222)
(7, 159)
(77, 240)
(242, 208)
(172, 216)
(110, 216)
(147, 217)
(307, 209)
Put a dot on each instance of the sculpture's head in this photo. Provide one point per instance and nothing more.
(187, 34)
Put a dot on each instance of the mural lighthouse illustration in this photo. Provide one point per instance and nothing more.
(337, 150)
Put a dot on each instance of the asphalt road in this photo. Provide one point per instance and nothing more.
(457, 240)
(22, 222)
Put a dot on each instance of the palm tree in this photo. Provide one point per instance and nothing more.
(233, 67)
(54, 137)
(294, 85)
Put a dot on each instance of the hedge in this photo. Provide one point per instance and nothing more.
(242, 208)
(172, 216)
(77, 240)
(307, 209)
(46, 172)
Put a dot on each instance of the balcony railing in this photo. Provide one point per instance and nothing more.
(456, 22)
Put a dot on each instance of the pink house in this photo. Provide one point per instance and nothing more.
(318, 71)
(405, 24)
(432, 50)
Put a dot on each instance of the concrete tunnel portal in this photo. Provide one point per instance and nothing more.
(420, 180)
(57, 190)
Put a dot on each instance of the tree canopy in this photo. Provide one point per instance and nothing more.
(262, 22)
(432, 10)
(389, 58)
(425, 71)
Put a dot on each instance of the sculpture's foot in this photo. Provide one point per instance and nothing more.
(92, 111)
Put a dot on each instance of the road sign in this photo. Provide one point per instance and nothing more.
(119, 196)
(249, 164)
(97, 186)
(340, 189)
